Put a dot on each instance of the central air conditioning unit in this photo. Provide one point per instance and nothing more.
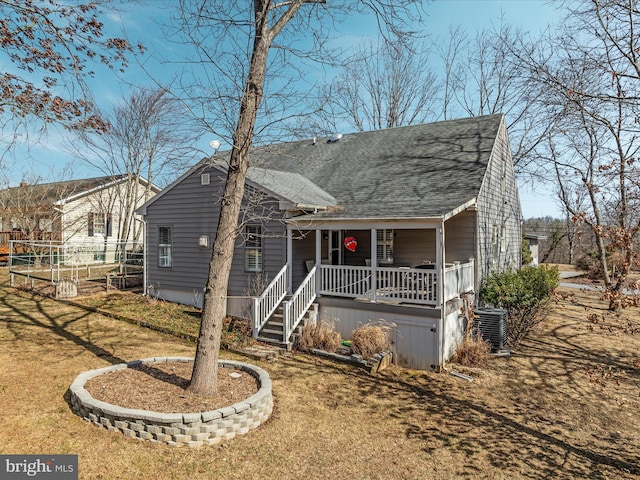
(491, 324)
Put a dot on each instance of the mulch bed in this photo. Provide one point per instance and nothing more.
(160, 387)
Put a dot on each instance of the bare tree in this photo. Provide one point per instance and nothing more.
(234, 40)
(381, 86)
(393, 84)
(589, 80)
(51, 46)
(147, 134)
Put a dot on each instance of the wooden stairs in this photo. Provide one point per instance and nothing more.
(273, 331)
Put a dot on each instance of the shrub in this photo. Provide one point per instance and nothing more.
(525, 294)
(321, 336)
(473, 351)
(370, 339)
(527, 256)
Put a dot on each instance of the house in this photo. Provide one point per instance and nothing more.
(399, 224)
(87, 211)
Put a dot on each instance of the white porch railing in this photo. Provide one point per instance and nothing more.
(406, 285)
(296, 307)
(458, 279)
(267, 303)
(401, 285)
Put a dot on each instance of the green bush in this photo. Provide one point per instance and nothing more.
(525, 294)
(527, 256)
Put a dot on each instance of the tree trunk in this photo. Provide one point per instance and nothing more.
(205, 368)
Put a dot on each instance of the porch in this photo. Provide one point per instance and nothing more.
(392, 263)
(401, 286)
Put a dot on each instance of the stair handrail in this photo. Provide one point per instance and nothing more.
(297, 306)
(267, 303)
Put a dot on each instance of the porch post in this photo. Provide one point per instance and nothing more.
(289, 259)
(318, 259)
(440, 264)
(374, 263)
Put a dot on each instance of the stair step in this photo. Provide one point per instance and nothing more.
(272, 331)
(273, 341)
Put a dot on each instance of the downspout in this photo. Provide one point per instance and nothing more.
(144, 254)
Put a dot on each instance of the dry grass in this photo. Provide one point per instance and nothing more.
(473, 351)
(564, 406)
(321, 336)
(370, 339)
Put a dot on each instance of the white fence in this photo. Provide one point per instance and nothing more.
(55, 261)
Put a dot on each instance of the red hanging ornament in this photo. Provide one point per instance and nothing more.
(350, 243)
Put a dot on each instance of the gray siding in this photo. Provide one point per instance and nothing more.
(460, 237)
(498, 209)
(192, 210)
(414, 247)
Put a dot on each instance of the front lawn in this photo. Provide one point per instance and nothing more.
(564, 406)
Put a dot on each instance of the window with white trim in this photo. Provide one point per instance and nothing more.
(384, 245)
(253, 248)
(164, 247)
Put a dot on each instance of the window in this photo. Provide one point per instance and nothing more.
(99, 224)
(253, 248)
(384, 248)
(164, 247)
(205, 179)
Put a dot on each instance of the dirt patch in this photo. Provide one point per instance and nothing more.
(160, 387)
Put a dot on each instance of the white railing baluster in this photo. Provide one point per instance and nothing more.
(267, 303)
(296, 307)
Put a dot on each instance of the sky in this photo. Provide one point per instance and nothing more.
(141, 24)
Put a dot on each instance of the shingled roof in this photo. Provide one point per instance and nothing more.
(422, 171)
(295, 188)
(54, 192)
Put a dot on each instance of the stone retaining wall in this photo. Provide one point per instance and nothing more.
(190, 429)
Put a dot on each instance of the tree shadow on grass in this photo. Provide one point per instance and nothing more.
(442, 416)
(19, 310)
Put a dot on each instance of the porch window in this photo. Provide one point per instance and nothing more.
(164, 247)
(384, 247)
(253, 248)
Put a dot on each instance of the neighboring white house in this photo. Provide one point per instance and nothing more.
(87, 211)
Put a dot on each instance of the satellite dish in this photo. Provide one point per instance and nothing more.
(215, 144)
(335, 137)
